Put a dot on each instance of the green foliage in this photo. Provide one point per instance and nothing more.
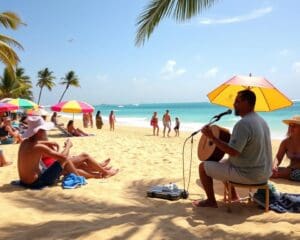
(7, 54)
(180, 10)
(45, 79)
(14, 86)
(70, 79)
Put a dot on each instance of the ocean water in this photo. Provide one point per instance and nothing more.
(192, 116)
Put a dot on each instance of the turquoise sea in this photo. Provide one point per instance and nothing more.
(192, 115)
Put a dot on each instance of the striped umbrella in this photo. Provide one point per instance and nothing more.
(23, 103)
(5, 107)
(72, 106)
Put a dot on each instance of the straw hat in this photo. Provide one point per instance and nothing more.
(36, 123)
(294, 119)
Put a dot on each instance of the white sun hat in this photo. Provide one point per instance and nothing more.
(36, 123)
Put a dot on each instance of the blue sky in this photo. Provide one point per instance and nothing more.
(179, 63)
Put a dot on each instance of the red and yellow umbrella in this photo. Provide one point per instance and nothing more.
(268, 97)
(72, 106)
(6, 107)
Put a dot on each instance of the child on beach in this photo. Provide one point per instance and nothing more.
(176, 128)
(154, 124)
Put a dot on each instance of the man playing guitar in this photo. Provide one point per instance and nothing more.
(249, 150)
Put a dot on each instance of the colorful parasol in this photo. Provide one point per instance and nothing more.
(72, 106)
(268, 98)
(23, 103)
(5, 107)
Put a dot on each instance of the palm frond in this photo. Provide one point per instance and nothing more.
(159, 9)
(10, 20)
(10, 41)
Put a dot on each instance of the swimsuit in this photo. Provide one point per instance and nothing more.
(47, 178)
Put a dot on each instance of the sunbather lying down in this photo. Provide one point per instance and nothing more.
(77, 132)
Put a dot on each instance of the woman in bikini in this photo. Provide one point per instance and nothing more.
(291, 148)
(154, 124)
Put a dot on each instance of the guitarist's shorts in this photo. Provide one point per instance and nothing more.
(224, 171)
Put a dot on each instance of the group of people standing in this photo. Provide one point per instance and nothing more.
(166, 120)
(88, 120)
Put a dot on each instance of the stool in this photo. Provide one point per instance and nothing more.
(249, 186)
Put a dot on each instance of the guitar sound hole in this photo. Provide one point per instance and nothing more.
(210, 143)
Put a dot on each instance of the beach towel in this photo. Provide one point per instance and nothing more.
(72, 181)
(279, 202)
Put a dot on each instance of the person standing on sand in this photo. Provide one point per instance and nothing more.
(154, 124)
(249, 150)
(91, 119)
(98, 120)
(85, 119)
(166, 123)
(112, 120)
(177, 126)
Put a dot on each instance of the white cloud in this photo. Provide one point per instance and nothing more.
(284, 52)
(257, 13)
(209, 74)
(170, 70)
(296, 67)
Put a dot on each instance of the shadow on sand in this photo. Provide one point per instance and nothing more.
(160, 213)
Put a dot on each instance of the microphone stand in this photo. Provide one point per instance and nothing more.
(185, 192)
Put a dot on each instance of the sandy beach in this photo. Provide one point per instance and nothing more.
(117, 208)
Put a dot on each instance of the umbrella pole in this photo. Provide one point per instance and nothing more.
(73, 116)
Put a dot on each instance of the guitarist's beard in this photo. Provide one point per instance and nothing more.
(236, 112)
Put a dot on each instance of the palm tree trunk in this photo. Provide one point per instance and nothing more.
(63, 94)
(40, 94)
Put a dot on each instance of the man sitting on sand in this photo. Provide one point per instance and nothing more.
(35, 147)
(249, 149)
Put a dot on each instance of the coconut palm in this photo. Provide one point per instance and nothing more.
(70, 79)
(15, 86)
(7, 55)
(45, 79)
(156, 10)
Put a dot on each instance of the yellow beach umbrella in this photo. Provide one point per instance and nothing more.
(268, 97)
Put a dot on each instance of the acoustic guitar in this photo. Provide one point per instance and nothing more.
(207, 150)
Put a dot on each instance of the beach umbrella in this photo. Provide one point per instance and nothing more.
(72, 106)
(6, 107)
(268, 97)
(22, 103)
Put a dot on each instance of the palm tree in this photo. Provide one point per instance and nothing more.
(45, 79)
(69, 80)
(181, 10)
(7, 55)
(15, 86)
(25, 83)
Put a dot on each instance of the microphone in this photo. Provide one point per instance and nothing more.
(229, 111)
